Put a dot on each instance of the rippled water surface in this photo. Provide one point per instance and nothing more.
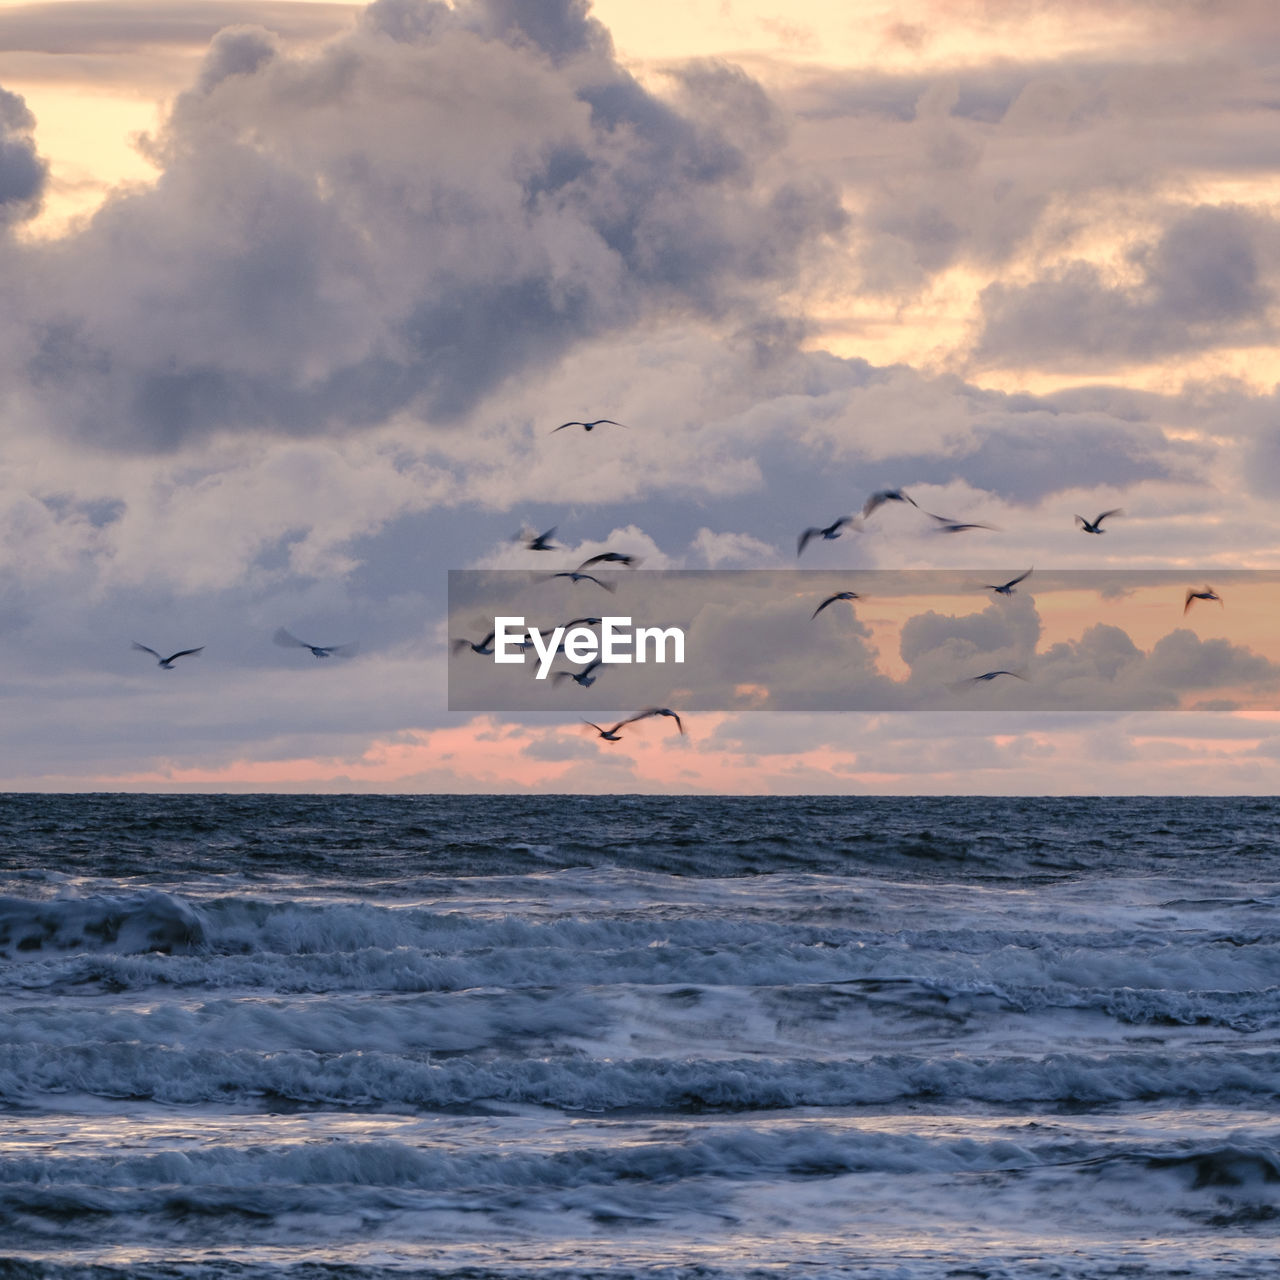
(481, 1036)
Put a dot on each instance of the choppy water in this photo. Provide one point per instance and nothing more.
(477, 1036)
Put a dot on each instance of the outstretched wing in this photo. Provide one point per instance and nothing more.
(831, 599)
(288, 641)
(144, 649)
(804, 539)
(1013, 582)
(654, 711)
(184, 653)
(1116, 511)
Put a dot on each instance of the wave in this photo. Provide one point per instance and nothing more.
(31, 1073)
(141, 922)
(742, 1154)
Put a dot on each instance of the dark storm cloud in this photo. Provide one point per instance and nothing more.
(1206, 282)
(22, 171)
(432, 204)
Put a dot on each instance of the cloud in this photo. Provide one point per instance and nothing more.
(22, 172)
(403, 221)
(1206, 282)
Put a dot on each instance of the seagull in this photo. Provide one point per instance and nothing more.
(839, 595)
(881, 496)
(167, 663)
(991, 675)
(540, 541)
(947, 525)
(1087, 527)
(582, 622)
(655, 711)
(1006, 588)
(574, 576)
(1207, 594)
(583, 677)
(485, 646)
(611, 557)
(587, 426)
(830, 533)
(287, 641)
(609, 735)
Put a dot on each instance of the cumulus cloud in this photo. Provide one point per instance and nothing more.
(401, 222)
(1208, 281)
(22, 172)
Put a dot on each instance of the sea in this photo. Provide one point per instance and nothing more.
(354, 1037)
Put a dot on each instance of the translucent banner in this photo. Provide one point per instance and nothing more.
(603, 643)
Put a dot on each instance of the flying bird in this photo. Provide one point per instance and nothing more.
(539, 541)
(1207, 594)
(582, 622)
(485, 646)
(167, 663)
(583, 677)
(1006, 588)
(287, 641)
(574, 576)
(655, 711)
(881, 496)
(587, 426)
(609, 735)
(611, 557)
(1088, 527)
(991, 675)
(947, 525)
(839, 595)
(830, 533)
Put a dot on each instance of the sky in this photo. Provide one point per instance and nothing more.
(294, 292)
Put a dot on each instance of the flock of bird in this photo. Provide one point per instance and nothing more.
(587, 676)
(281, 637)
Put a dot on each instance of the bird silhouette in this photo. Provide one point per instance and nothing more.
(656, 711)
(947, 525)
(167, 663)
(881, 496)
(829, 534)
(583, 677)
(588, 426)
(287, 641)
(1092, 526)
(539, 541)
(839, 595)
(1006, 588)
(484, 647)
(611, 557)
(574, 576)
(1207, 594)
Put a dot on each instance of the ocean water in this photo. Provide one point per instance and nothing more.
(266, 1036)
